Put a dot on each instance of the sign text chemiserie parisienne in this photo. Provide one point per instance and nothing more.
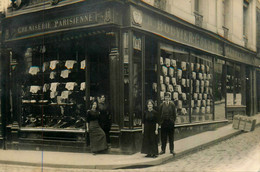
(87, 18)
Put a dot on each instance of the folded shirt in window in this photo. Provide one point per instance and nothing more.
(83, 86)
(53, 94)
(52, 75)
(53, 64)
(70, 85)
(65, 73)
(46, 87)
(65, 94)
(34, 70)
(70, 64)
(83, 64)
(54, 86)
(34, 89)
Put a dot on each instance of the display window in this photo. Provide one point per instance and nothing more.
(179, 79)
(201, 88)
(234, 84)
(53, 82)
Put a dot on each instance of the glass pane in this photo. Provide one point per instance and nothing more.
(219, 71)
(137, 82)
(201, 91)
(175, 79)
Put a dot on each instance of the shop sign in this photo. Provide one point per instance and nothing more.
(238, 55)
(176, 32)
(88, 18)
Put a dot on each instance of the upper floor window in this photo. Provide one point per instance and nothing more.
(245, 19)
(196, 6)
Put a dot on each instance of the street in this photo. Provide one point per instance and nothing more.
(240, 153)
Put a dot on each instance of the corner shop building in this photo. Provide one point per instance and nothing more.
(56, 58)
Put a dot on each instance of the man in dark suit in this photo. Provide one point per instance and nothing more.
(167, 112)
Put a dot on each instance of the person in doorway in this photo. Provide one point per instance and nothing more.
(150, 131)
(105, 116)
(98, 143)
(167, 111)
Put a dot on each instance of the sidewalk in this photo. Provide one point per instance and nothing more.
(109, 161)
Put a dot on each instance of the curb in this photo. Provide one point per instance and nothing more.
(153, 162)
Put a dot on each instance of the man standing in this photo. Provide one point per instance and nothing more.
(167, 112)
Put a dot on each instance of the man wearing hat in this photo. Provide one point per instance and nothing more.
(167, 113)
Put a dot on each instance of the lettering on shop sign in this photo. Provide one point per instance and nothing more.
(238, 55)
(174, 31)
(89, 18)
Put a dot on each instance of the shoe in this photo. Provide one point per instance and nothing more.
(148, 155)
(154, 156)
(173, 153)
(162, 152)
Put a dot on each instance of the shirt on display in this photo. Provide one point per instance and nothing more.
(83, 64)
(52, 75)
(53, 94)
(183, 82)
(175, 96)
(65, 73)
(202, 67)
(167, 62)
(34, 70)
(179, 73)
(65, 94)
(53, 64)
(208, 109)
(83, 86)
(192, 66)
(183, 66)
(70, 85)
(170, 88)
(171, 71)
(174, 81)
(173, 63)
(70, 64)
(161, 60)
(54, 86)
(167, 80)
(203, 110)
(46, 87)
(34, 89)
(161, 79)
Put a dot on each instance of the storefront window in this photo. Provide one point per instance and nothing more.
(137, 81)
(54, 82)
(201, 88)
(234, 84)
(175, 79)
(219, 92)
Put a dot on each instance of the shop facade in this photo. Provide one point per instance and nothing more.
(64, 56)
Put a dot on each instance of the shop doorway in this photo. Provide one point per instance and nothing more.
(98, 59)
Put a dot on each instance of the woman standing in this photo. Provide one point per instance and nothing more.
(97, 136)
(105, 116)
(150, 131)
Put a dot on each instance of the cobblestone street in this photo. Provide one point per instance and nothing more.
(240, 153)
